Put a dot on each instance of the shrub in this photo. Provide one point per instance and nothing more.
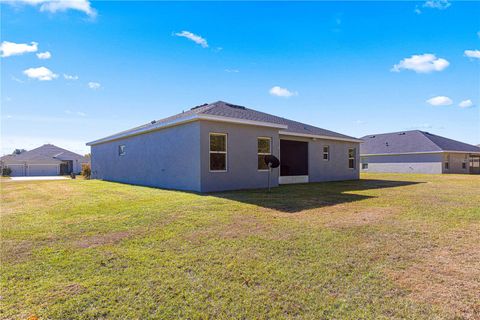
(6, 172)
(86, 170)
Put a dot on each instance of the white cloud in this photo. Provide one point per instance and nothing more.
(423, 63)
(44, 55)
(472, 54)
(94, 85)
(466, 104)
(232, 70)
(13, 49)
(195, 38)
(417, 10)
(70, 77)
(41, 73)
(437, 4)
(440, 101)
(54, 6)
(282, 92)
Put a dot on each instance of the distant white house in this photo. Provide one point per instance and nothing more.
(47, 160)
(417, 152)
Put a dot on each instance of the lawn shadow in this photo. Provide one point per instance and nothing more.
(298, 197)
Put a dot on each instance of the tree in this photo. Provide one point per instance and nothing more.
(18, 151)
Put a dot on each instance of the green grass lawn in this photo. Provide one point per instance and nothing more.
(387, 246)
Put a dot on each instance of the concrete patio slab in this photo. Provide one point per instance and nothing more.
(38, 178)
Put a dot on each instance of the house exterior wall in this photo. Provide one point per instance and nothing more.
(455, 163)
(179, 158)
(242, 164)
(19, 169)
(77, 161)
(77, 166)
(168, 158)
(336, 168)
(32, 168)
(405, 163)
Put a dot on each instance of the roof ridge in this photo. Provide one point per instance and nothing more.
(223, 110)
(395, 132)
(425, 134)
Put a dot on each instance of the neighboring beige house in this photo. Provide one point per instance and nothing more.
(417, 152)
(47, 160)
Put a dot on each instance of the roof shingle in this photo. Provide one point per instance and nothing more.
(411, 141)
(228, 110)
(47, 152)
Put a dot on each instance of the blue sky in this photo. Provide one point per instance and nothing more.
(352, 67)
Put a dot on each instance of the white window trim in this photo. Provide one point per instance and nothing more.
(220, 152)
(362, 159)
(446, 164)
(328, 153)
(350, 158)
(263, 153)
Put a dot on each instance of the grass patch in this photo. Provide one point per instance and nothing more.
(387, 246)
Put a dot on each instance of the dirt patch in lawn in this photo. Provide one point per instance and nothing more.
(243, 226)
(239, 227)
(103, 239)
(447, 275)
(358, 217)
(16, 251)
(68, 290)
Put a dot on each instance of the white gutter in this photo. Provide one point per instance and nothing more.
(424, 152)
(314, 136)
(163, 125)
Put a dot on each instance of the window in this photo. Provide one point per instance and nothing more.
(218, 152)
(351, 158)
(447, 162)
(264, 148)
(364, 163)
(474, 161)
(326, 153)
(464, 163)
(121, 150)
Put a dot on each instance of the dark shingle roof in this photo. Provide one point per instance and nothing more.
(411, 141)
(228, 110)
(47, 152)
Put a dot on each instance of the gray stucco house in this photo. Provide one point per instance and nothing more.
(221, 146)
(417, 152)
(47, 160)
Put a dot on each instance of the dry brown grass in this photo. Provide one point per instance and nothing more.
(447, 274)
(389, 247)
(102, 239)
(358, 217)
